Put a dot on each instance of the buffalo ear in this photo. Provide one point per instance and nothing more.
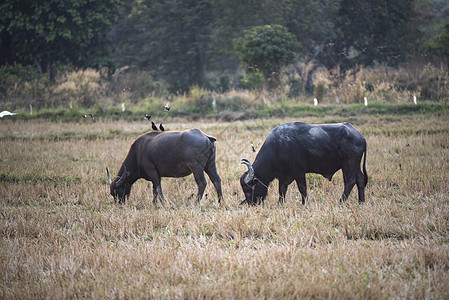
(122, 179)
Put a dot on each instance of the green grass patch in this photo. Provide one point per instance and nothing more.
(241, 112)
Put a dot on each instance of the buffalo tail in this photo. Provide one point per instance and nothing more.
(364, 167)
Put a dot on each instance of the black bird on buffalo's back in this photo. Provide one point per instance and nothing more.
(153, 126)
(161, 127)
(154, 155)
(252, 147)
(293, 149)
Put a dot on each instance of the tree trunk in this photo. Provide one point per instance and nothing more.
(44, 66)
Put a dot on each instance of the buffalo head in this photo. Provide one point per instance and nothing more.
(120, 188)
(255, 190)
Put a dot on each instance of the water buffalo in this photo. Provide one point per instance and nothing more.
(293, 149)
(167, 154)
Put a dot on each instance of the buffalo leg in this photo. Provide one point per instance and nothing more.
(349, 178)
(153, 176)
(282, 191)
(157, 191)
(361, 186)
(154, 194)
(201, 182)
(213, 175)
(161, 196)
(302, 187)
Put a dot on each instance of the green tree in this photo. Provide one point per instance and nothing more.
(370, 31)
(267, 49)
(170, 38)
(438, 46)
(47, 32)
(232, 17)
(312, 22)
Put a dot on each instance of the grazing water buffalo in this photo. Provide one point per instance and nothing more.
(167, 154)
(293, 149)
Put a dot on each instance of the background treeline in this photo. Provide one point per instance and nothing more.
(89, 53)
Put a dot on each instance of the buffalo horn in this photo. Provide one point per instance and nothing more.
(109, 176)
(250, 176)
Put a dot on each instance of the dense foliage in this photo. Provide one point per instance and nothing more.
(188, 43)
(47, 32)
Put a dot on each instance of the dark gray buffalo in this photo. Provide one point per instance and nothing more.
(167, 154)
(293, 149)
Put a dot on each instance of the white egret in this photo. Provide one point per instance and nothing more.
(6, 113)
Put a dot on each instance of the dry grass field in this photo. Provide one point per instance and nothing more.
(63, 237)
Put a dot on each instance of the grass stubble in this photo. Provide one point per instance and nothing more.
(63, 237)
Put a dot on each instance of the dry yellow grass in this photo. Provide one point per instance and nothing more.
(63, 237)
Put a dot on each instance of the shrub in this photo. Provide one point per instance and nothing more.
(224, 84)
(134, 85)
(435, 84)
(396, 86)
(294, 88)
(82, 87)
(321, 85)
(197, 100)
(21, 86)
(251, 80)
(352, 90)
(236, 101)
